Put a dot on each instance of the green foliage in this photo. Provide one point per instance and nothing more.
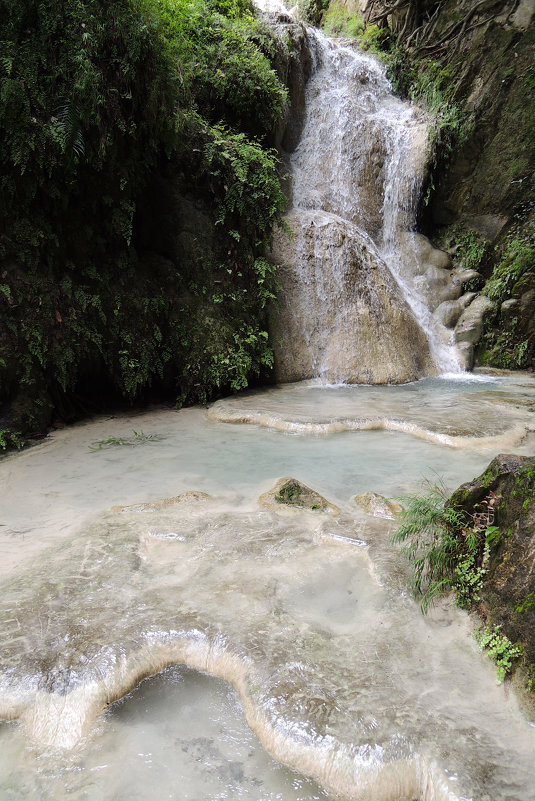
(338, 21)
(470, 247)
(525, 605)
(10, 440)
(428, 528)
(516, 268)
(100, 103)
(507, 343)
(312, 11)
(500, 649)
(447, 548)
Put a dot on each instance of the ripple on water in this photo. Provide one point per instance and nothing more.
(336, 670)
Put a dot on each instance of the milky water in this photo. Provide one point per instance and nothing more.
(305, 614)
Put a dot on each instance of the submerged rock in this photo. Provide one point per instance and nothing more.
(508, 589)
(164, 503)
(290, 492)
(378, 506)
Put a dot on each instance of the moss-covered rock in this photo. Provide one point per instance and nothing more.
(289, 492)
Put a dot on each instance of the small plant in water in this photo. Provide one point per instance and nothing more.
(111, 442)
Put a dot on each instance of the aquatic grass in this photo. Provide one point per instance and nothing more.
(112, 442)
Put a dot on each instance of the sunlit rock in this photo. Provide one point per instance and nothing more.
(341, 313)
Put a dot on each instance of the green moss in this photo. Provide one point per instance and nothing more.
(312, 11)
(516, 268)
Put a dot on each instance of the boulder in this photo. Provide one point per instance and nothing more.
(342, 315)
(448, 313)
(470, 327)
(289, 492)
(378, 506)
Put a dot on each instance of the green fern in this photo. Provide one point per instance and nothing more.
(500, 649)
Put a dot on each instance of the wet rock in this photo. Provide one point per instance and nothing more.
(431, 270)
(293, 64)
(291, 492)
(427, 253)
(508, 591)
(470, 327)
(468, 276)
(341, 315)
(378, 506)
(448, 313)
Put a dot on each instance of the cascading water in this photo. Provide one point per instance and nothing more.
(112, 568)
(355, 277)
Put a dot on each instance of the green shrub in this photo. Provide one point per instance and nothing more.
(447, 548)
(337, 21)
(102, 105)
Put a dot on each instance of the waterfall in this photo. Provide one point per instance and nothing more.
(359, 286)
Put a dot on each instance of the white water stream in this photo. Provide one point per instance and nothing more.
(359, 286)
(306, 614)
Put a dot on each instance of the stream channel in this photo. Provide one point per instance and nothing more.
(127, 555)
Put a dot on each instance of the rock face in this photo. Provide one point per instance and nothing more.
(341, 316)
(480, 56)
(293, 64)
(508, 591)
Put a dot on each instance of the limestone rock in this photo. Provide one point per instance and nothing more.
(509, 309)
(448, 313)
(164, 503)
(430, 268)
(293, 64)
(427, 253)
(470, 327)
(290, 492)
(341, 313)
(466, 276)
(378, 506)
